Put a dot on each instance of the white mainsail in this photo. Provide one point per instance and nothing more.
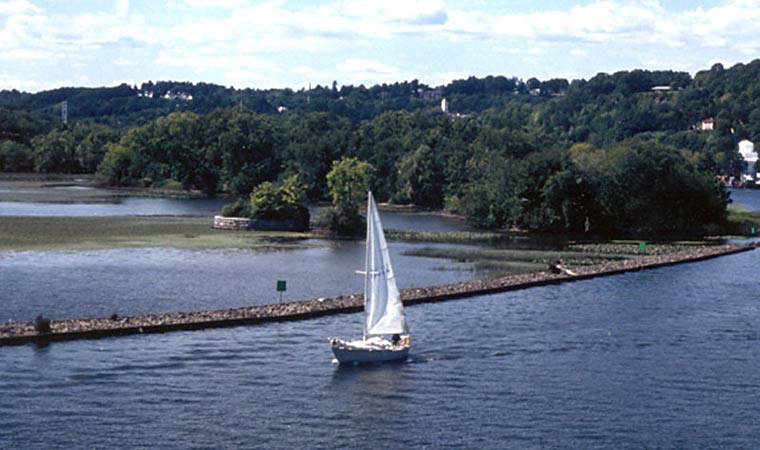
(384, 312)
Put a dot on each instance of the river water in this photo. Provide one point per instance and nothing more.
(663, 358)
(73, 284)
(63, 285)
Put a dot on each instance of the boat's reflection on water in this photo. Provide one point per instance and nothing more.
(377, 390)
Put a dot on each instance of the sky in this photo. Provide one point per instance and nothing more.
(45, 44)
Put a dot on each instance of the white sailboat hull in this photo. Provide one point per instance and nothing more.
(368, 351)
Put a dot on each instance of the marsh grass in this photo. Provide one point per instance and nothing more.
(93, 233)
(541, 257)
(458, 237)
(508, 261)
(741, 222)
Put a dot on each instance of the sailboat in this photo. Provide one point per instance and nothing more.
(383, 310)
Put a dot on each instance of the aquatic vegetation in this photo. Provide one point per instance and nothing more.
(90, 233)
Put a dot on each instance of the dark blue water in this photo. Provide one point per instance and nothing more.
(665, 358)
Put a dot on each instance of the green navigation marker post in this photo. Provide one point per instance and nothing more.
(643, 246)
(281, 287)
(753, 230)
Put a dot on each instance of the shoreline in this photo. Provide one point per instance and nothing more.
(23, 332)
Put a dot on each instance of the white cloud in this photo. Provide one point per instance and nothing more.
(270, 40)
(20, 84)
(365, 71)
(28, 55)
(440, 79)
(356, 64)
(18, 7)
(227, 4)
(122, 7)
(414, 12)
(206, 61)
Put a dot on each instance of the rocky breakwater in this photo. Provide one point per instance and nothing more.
(21, 333)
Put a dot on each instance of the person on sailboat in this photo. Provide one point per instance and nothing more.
(396, 339)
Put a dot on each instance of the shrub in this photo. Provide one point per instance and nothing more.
(332, 220)
(280, 202)
(41, 324)
(240, 208)
(169, 185)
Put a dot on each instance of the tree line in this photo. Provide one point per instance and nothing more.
(609, 154)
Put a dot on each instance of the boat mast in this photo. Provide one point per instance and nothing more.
(367, 268)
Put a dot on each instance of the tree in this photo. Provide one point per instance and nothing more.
(651, 188)
(283, 201)
(92, 147)
(420, 178)
(348, 182)
(241, 145)
(311, 143)
(15, 157)
(121, 166)
(55, 152)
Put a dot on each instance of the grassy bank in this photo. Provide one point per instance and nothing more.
(90, 233)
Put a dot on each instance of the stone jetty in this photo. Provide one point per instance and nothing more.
(22, 333)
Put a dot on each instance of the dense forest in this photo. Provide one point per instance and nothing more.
(627, 152)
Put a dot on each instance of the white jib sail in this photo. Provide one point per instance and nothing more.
(383, 308)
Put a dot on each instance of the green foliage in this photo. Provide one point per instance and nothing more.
(310, 143)
(167, 185)
(282, 201)
(20, 126)
(121, 166)
(239, 151)
(77, 150)
(56, 152)
(15, 157)
(239, 208)
(655, 189)
(332, 220)
(348, 181)
(91, 147)
(635, 187)
(420, 178)
(504, 162)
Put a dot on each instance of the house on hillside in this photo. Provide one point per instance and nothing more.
(707, 124)
(184, 96)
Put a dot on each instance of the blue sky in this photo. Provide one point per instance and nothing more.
(288, 43)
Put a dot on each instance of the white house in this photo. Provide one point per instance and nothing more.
(707, 124)
(747, 150)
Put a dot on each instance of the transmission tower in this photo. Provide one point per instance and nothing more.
(65, 112)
